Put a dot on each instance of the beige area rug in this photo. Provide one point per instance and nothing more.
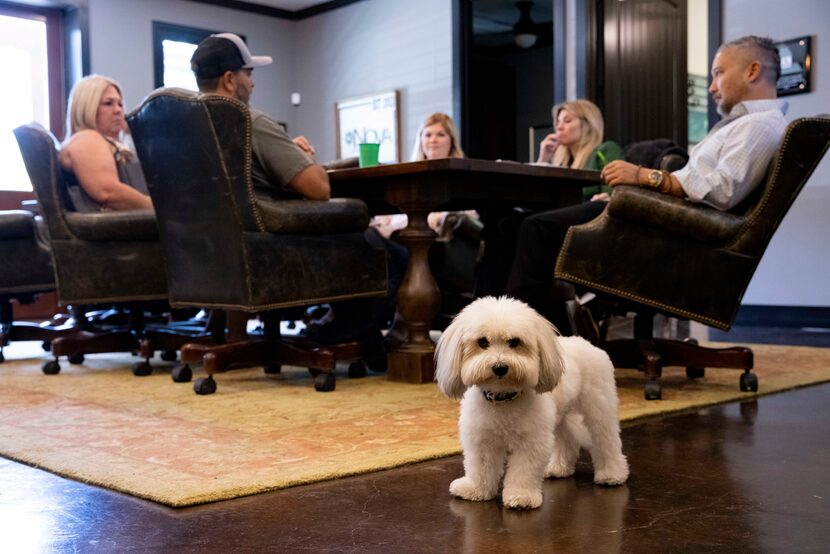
(156, 439)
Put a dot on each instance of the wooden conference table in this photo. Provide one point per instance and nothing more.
(417, 188)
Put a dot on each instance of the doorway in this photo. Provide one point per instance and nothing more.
(510, 77)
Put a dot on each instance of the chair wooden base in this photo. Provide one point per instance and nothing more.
(272, 355)
(12, 331)
(134, 338)
(650, 355)
(20, 331)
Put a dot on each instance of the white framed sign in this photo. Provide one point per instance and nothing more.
(371, 118)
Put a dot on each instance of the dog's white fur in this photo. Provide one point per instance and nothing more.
(567, 399)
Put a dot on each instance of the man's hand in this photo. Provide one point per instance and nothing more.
(619, 172)
(303, 144)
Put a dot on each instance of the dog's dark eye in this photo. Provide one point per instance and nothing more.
(483, 342)
(514, 342)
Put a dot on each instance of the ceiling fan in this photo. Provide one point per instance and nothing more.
(493, 32)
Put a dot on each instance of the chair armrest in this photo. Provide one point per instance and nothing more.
(16, 224)
(119, 226)
(674, 215)
(313, 217)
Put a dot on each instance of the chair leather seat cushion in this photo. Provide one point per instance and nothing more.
(674, 215)
(16, 224)
(118, 226)
(338, 215)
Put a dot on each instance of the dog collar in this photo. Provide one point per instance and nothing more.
(499, 397)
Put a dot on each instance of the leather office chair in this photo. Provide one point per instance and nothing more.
(228, 249)
(651, 253)
(103, 258)
(25, 273)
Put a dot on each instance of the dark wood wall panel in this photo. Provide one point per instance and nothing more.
(643, 70)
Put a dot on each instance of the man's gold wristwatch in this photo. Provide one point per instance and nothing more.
(655, 179)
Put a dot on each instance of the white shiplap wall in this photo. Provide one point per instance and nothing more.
(796, 267)
(121, 34)
(374, 46)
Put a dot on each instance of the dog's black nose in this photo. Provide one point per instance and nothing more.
(500, 370)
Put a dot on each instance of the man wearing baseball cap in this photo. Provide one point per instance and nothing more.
(284, 168)
(281, 167)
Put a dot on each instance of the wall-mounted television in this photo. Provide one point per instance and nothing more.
(796, 62)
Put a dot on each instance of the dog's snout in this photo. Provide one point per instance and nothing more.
(500, 370)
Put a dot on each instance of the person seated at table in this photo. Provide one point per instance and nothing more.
(285, 168)
(723, 169)
(577, 144)
(436, 138)
(101, 172)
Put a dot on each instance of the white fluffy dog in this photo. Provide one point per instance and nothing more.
(530, 398)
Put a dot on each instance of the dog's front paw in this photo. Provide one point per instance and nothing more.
(615, 473)
(522, 499)
(466, 488)
(558, 469)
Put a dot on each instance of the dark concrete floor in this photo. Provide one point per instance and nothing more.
(741, 477)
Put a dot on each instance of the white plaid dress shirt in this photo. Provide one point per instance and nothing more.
(732, 159)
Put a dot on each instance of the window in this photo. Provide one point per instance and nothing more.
(173, 45)
(30, 45)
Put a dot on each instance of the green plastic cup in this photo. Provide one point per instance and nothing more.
(369, 154)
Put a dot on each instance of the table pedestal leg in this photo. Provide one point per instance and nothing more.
(418, 301)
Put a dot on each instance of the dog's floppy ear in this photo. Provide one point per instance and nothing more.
(449, 353)
(551, 366)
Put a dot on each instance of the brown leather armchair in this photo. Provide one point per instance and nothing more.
(228, 249)
(651, 253)
(25, 273)
(103, 258)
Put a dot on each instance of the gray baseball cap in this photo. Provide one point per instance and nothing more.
(224, 52)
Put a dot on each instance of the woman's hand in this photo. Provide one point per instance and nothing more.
(619, 172)
(547, 147)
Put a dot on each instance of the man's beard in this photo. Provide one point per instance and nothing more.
(242, 94)
(723, 109)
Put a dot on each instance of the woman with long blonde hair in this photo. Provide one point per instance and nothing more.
(577, 142)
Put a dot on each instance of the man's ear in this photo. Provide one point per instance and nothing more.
(227, 82)
(753, 71)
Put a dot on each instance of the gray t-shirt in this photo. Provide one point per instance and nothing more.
(276, 159)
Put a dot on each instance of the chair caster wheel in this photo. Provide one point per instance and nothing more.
(357, 370)
(142, 369)
(695, 372)
(182, 374)
(653, 390)
(272, 369)
(2, 358)
(75, 359)
(51, 367)
(46, 345)
(315, 372)
(324, 382)
(204, 385)
(749, 382)
(168, 355)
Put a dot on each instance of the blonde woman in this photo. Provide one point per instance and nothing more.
(577, 142)
(437, 138)
(101, 172)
